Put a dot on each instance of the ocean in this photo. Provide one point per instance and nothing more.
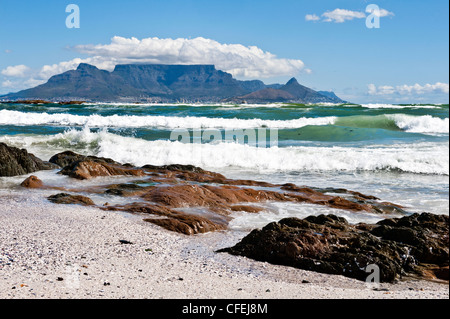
(399, 153)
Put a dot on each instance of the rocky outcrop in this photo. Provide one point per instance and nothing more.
(416, 245)
(15, 162)
(64, 198)
(167, 191)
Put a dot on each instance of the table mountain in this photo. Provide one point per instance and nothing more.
(163, 83)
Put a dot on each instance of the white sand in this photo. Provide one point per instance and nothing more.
(40, 242)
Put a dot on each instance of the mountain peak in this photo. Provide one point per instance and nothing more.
(292, 81)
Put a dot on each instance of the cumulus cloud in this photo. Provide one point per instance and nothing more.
(18, 71)
(239, 60)
(343, 15)
(415, 89)
(243, 62)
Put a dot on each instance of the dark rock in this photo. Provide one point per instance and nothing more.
(15, 162)
(125, 242)
(426, 234)
(67, 158)
(414, 245)
(71, 199)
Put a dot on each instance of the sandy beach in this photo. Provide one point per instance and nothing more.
(69, 251)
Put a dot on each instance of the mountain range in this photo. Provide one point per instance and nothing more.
(166, 83)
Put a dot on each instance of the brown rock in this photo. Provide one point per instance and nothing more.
(32, 182)
(187, 224)
(89, 169)
(174, 220)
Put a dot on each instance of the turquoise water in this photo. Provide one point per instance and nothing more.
(396, 152)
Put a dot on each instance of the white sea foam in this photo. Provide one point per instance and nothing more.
(168, 122)
(275, 211)
(416, 124)
(422, 158)
(395, 106)
(231, 105)
(421, 124)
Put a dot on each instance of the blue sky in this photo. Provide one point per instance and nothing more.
(406, 60)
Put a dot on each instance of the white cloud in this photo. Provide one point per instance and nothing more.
(342, 15)
(243, 62)
(239, 60)
(415, 89)
(18, 71)
(7, 84)
(312, 17)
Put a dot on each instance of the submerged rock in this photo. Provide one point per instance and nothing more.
(15, 162)
(415, 245)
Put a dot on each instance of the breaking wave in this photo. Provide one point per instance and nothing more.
(420, 158)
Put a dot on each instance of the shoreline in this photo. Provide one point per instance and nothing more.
(72, 252)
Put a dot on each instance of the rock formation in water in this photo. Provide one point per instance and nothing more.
(15, 161)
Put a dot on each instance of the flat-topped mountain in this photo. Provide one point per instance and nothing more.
(164, 83)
